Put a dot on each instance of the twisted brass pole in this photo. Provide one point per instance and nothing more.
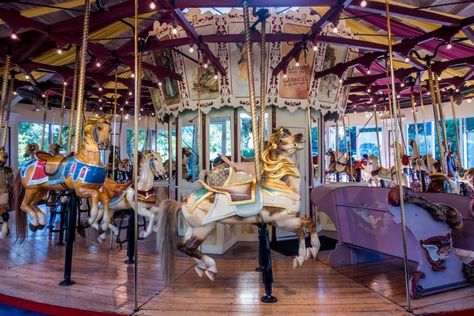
(114, 150)
(397, 162)
(73, 100)
(458, 144)
(61, 115)
(82, 76)
(424, 121)
(7, 111)
(377, 134)
(413, 109)
(263, 82)
(441, 113)
(253, 106)
(5, 75)
(437, 122)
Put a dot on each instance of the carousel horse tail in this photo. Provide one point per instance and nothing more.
(166, 237)
(21, 217)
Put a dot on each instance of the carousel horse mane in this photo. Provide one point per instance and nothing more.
(274, 166)
(91, 123)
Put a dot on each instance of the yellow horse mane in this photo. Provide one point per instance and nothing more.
(273, 168)
(92, 121)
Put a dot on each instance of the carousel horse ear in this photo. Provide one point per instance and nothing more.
(108, 117)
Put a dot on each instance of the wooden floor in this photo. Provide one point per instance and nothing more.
(104, 283)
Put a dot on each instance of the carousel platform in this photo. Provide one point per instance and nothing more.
(104, 284)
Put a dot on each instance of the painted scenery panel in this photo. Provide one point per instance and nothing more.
(238, 64)
(204, 87)
(296, 85)
(329, 85)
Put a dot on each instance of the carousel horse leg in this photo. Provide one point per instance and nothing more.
(5, 218)
(26, 207)
(143, 211)
(193, 238)
(40, 194)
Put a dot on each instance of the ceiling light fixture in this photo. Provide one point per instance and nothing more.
(449, 46)
(407, 60)
(315, 48)
(363, 3)
(174, 31)
(152, 5)
(14, 36)
(59, 51)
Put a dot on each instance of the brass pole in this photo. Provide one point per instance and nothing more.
(7, 111)
(263, 82)
(61, 115)
(441, 113)
(397, 162)
(82, 76)
(137, 71)
(413, 109)
(156, 132)
(424, 122)
(458, 144)
(73, 100)
(114, 150)
(253, 105)
(5, 75)
(437, 122)
(45, 115)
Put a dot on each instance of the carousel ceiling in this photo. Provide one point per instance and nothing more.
(330, 54)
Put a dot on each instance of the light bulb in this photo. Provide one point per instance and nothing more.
(363, 3)
(132, 75)
(402, 85)
(439, 78)
(449, 46)
(457, 90)
(369, 72)
(469, 100)
(130, 93)
(335, 30)
(215, 77)
(43, 95)
(284, 76)
(98, 64)
(297, 64)
(14, 93)
(100, 108)
(14, 36)
(27, 77)
(152, 5)
(315, 48)
(340, 80)
(206, 65)
(59, 51)
(369, 90)
(100, 89)
(174, 31)
(100, 100)
(191, 49)
(407, 59)
(398, 96)
(428, 93)
(159, 83)
(126, 102)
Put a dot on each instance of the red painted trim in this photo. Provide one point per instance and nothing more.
(48, 308)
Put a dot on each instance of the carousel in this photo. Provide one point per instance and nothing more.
(223, 157)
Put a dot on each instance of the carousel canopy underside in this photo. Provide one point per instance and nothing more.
(346, 70)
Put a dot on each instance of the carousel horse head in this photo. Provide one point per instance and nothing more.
(54, 149)
(284, 143)
(3, 156)
(97, 133)
(30, 150)
(374, 161)
(155, 161)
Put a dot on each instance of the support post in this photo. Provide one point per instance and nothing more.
(131, 238)
(265, 263)
(70, 238)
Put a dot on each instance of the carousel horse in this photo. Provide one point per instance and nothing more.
(6, 181)
(151, 166)
(466, 178)
(30, 150)
(405, 161)
(81, 172)
(447, 183)
(339, 162)
(380, 173)
(231, 195)
(54, 149)
(363, 169)
(122, 167)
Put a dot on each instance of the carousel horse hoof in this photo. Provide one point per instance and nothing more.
(81, 231)
(314, 251)
(298, 261)
(143, 234)
(32, 227)
(308, 255)
(199, 271)
(100, 240)
(211, 275)
(95, 226)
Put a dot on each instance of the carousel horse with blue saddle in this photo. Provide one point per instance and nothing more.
(230, 194)
(83, 172)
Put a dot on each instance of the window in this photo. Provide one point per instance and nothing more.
(368, 141)
(246, 135)
(190, 150)
(130, 141)
(468, 137)
(219, 137)
(29, 132)
(450, 136)
(424, 148)
(342, 144)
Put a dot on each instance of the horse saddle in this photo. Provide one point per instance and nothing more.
(52, 162)
(148, 196)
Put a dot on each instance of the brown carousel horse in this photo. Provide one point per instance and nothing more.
(81, 172)
(339, 162)
(30, 150)
(231, 195)
(6, 182)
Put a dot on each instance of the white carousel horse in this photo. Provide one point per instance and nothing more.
(81, 172)
(6, 182)
(231, 196)
(151, 166)
(380, 173)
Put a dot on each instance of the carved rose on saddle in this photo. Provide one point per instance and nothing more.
(437, 250)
